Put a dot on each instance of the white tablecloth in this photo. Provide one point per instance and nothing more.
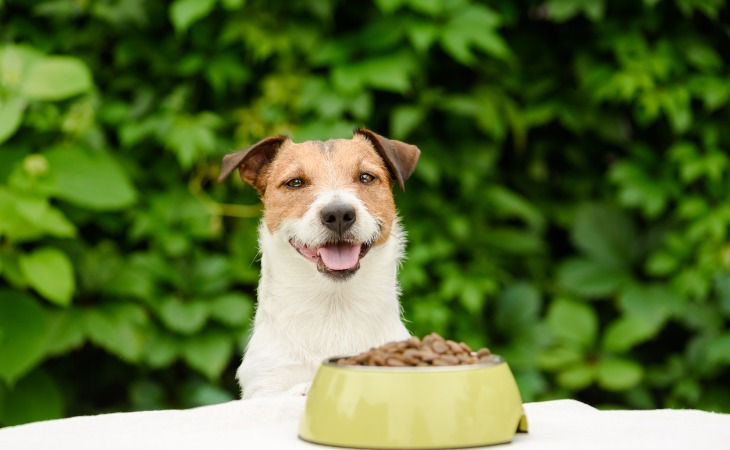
(273, 423)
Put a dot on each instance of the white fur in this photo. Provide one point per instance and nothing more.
(304, 317)
(309, 229)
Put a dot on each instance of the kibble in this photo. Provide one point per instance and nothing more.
(432, 350)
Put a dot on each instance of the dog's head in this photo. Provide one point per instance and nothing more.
(331, 200)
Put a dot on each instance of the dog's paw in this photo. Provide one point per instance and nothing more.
(299, 390)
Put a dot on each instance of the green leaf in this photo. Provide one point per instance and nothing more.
(617, 374)
(624, 333)
(473, 27)
(404, 119)
(676, 104)
(56, 224)
(517, 308)
(590, 278)
(422, 34)
(576, 377)
(573, 322)
(56, 78)
(722, 286)
(605, 234)
(161, 349)
(184, 317)
(506, 203)
(563, 10)
(661, 263)
(208, 353)
(50, 273)
(389, 6)
(651, 303)
(11, 115)
(202, 394)
(184, 13)
(233, 4)
(91, 180)
(560, 357)
(471, 298)
(22, 335)
(35, 397)
(389, 73)
(15, 60)
(14, 209)
(639, 188)
(718, 350)
(191, 137)
(515, 241)
(232, 309)
(64, 331)
(118, 329)
(429, 7)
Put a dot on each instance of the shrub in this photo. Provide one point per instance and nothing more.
(569, 210)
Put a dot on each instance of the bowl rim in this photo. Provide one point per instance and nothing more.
(332, 362)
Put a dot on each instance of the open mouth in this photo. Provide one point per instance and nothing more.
(337, 259)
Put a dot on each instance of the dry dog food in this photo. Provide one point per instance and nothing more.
(433, 350)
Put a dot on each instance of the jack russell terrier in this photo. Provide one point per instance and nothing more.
(331, 244)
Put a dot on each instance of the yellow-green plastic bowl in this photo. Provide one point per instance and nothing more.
(413, 407)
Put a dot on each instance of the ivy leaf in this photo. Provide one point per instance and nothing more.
(388, 73)
(422, 34)
(89, 179)
(616, 374)
(604, 234)
(35, 397)
(389, 6)
(118, 329)
(161, 349)
(517, 308)
(56, 78)
(64, 331)
(184, 13)
(232, 309)
(404, 119)
(591, 278)
(183, 317)
(576, 377)
(651, 303)
(11, 115)
(474, 26)
(722, 286)
(626, 332)
(50, 272)
(559, 357)
(572, 322)
(208, 353)
(718, 350)
(22, 335)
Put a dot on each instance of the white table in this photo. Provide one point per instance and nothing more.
(273, 423)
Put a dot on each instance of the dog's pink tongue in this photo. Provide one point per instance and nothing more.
(341, 256)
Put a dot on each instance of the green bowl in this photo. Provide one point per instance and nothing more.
(413, 407)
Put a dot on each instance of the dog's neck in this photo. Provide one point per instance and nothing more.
(291, 288)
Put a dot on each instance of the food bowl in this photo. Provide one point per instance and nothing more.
(413, 407)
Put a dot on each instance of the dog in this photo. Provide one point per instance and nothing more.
(331, 244)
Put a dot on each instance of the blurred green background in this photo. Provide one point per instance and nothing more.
(570, 209)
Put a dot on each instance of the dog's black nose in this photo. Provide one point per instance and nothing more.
(338, 217)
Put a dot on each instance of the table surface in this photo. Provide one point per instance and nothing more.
(273, 422)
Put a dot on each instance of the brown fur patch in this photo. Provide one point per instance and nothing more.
(323, 166)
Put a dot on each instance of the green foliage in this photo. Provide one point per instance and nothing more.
(570, 208)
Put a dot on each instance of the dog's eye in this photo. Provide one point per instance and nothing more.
(294, 183)
(366, 178)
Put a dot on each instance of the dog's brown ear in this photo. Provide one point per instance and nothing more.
(251, 161)
(401, 158)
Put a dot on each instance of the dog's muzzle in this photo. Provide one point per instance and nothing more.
(338, 260)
